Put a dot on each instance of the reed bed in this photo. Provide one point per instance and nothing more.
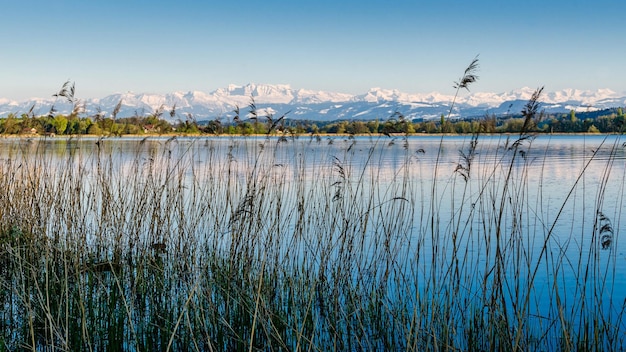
(199, 244)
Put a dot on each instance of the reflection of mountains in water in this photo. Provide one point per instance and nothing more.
(304, 104)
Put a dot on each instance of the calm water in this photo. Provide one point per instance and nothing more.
(550, 191)
(551, 167)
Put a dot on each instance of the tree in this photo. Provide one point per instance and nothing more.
(11, 125)
(429, 127)
(373, 126)
(619, 120)
(188, 126)
(94, 129)
(593, 129)
(259, 128)
(463, 127)
(488, 124)
(214, 127)
(130, 128)
(357, 127)
(59, 122)
(409, 128)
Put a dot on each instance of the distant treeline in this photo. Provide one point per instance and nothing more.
(601, 121)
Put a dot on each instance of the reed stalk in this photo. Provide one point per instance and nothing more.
(257, 243)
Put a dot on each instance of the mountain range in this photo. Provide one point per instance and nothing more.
(304, 104)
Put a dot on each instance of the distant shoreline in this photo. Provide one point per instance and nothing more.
(308, 135)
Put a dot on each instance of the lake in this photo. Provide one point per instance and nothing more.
(497, 228)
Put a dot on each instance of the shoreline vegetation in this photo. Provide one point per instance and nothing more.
(304, 135)
(606, 121)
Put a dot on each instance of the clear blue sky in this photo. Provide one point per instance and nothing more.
(415, 46)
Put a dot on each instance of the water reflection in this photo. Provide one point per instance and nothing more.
(539, 204)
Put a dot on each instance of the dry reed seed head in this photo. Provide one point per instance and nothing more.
(469, 75)
(159, 111)
(252, 109)
(605, 230)
(52, 111)
(532, 106)
(117, 109)
(31, 111)
(67, 91)
(79, 107)
(173, 111)
(72, 92)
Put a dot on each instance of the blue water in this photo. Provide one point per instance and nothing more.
(542, 203)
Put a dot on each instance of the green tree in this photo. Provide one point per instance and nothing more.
(408, 127)
(429, 127)
(463, 127)
(214, 127)
(512, 125)
(94, 129)
(488, 124)
(373, 126)
(59, 122)
(357, 127)
(130, 128)
(188, 126)
(341, 127)
(593, 129)
(619, 120)
(10, 125)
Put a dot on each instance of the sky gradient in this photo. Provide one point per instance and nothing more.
(151, 46)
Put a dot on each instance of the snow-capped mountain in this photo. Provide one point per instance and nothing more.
(377, 103)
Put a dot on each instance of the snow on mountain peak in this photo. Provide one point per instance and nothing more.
(261, 93)
(311, 104)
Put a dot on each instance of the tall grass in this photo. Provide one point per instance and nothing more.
(262, 244)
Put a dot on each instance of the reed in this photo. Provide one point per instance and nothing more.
(239, 244)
